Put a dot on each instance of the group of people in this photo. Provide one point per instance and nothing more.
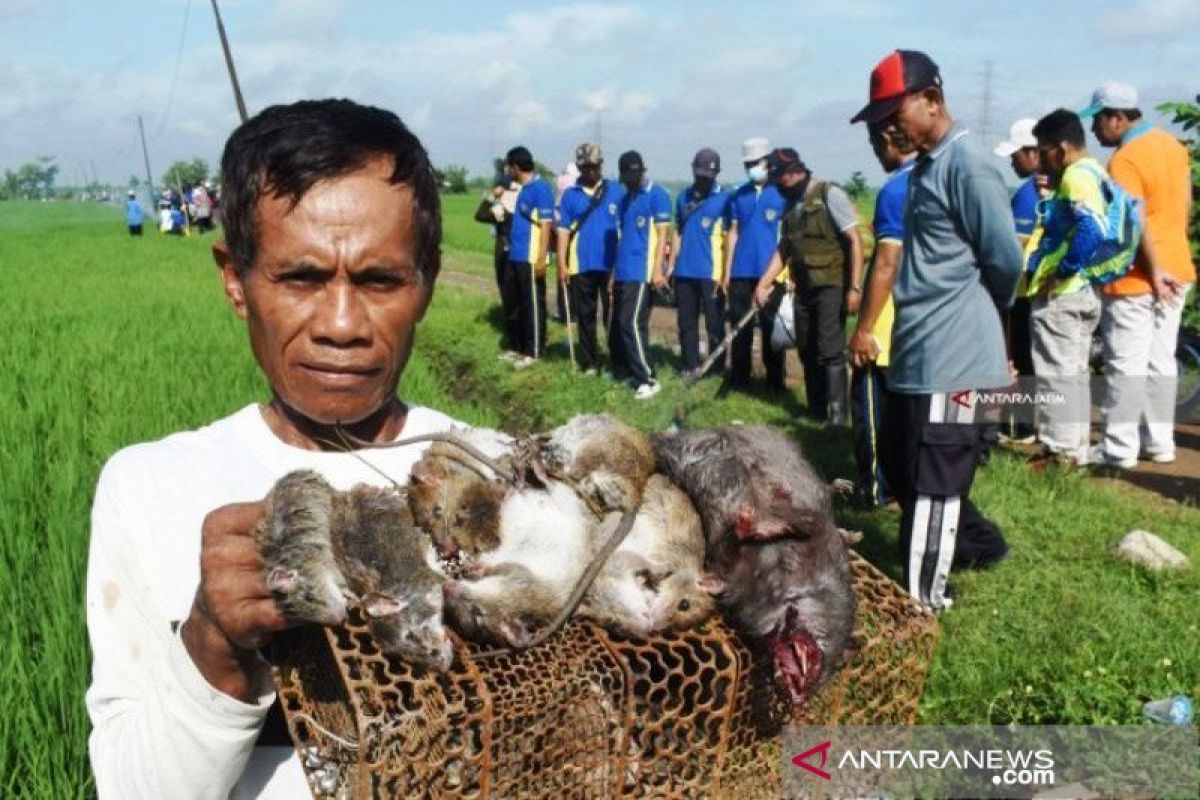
(178, 213)
(330, 253)
(1073, 251)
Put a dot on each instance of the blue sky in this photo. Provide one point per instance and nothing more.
(473, 78)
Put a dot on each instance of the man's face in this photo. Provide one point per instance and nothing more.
(1108, 127)
(1026, 161)
(334, 296)
(883, 143)
(792, 178)
(916, 118)
(1053, 157)
(632, 178)
(589, 174)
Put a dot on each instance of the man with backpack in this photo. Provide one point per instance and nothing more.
(820, 244)
(587, 246)
(1065, 306)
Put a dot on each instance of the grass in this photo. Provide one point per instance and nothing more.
(113, 341)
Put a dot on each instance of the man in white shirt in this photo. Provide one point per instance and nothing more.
(332, 234)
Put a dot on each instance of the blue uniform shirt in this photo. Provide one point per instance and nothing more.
(594, 246)
(535, 205)
(890, 203)
(641, 212)
(133, 212)
(757, 213)
(702, 224)
(1024, 207)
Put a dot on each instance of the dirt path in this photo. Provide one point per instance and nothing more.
(1179, 481)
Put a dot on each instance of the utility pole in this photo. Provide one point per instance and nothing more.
(233, 79)
(146, 157)
(985, 114)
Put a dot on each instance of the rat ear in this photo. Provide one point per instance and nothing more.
(281, 579)
(780, 492)
(424, 474)
(382, 605)
(710, 583)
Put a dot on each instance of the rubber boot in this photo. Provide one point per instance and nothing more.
(838, 393)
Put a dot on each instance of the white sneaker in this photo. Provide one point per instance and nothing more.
(524, 361)
(508, 355)
(590, 372)
(1162, 458)
(1097, 457)
(647, 390)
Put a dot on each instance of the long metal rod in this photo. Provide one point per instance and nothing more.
(146, 158)
(233, 79)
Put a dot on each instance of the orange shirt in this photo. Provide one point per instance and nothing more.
(1153, 165)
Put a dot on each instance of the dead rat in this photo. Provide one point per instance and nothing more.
(655, 580)
(606, 459)
(459, 510)
(527, 582)
(294, 541)
(390, 568)
(772, 540)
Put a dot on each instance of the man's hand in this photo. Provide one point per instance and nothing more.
(1167, 290)
(659, 279)
(539, 268)
(233, 612)
(853, 300)
(864, 348)
(762, 294)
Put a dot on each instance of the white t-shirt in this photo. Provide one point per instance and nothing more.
(159, 729)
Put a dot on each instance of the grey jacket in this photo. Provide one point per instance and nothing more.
(960, 266)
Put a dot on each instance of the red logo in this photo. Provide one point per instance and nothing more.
(962, 398)
(823, 749)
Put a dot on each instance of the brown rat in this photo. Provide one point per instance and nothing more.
(771, 538)
(655, 580)
(525, 583)
(389, 566)
(606, 459)
(459, 510)
(294, 541)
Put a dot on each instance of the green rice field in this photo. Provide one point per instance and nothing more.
(113, 340)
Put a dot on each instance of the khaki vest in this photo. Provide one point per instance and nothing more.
(816, 254)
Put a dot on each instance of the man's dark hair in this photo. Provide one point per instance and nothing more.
(284, 150)
(521, 158)
(1060, 126)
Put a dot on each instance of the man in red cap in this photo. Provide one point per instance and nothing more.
(959, 267)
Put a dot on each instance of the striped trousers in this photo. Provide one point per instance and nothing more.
(629, 340)
(934, 445)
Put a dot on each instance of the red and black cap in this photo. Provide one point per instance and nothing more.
(900, 73)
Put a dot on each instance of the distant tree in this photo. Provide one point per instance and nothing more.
(184, 173)
(857, 186)
(33, 180)
(1187, 116)
(453, 178)
(134, 182)
(547, 174)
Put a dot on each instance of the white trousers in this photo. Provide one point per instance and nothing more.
(1140, 375)
(1061, 331)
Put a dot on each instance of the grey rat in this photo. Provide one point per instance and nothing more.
(771, 537)
(390, 568)
(655, 580)
(294, 542)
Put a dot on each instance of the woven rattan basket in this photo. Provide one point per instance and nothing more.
(587, 714)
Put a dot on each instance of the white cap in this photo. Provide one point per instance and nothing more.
(1019, 135)
(755, 149)
(1111, 94)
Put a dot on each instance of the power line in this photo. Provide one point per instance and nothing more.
(162, 123)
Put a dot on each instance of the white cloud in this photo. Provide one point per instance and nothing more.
(1158, 20)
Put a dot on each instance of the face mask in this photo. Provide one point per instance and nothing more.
(704, 185)
(757, 173)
